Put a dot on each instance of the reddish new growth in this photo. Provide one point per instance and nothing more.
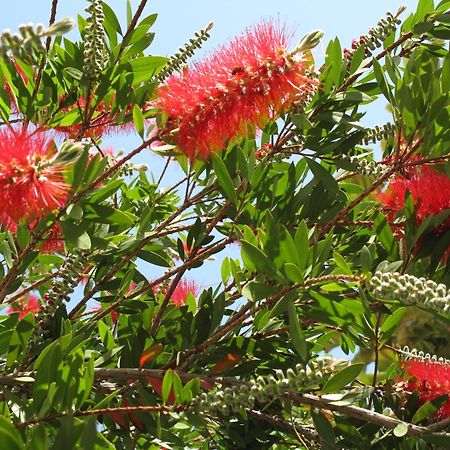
(430, 379)
(237, 88)
(24, 306)
(430, 191)
(30, 186)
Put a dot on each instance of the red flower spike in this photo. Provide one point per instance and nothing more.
(430, 379)
(24, 306)
(430, 191)
(234, 90)
(30, 187)
(182, 290)
(101, 124)
(54, 243)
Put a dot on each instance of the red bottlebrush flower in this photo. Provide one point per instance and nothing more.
(430, 191)
(30, 186)
(101, 123)
(24, 306)
(54, 243)
(430, 379)
(234, 90)
(182, 290)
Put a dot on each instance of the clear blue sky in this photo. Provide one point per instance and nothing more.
(178, 20)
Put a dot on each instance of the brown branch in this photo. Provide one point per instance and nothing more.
(131, 27)
(366, 415)
(94, 412)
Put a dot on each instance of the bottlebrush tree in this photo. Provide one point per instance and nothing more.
(333, 238)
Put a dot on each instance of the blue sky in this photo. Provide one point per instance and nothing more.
(178, 20)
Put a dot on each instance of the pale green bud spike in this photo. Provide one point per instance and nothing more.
(63, 26)
(309, 41)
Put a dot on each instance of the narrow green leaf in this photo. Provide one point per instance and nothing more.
(258, 258)
(138, 120)
(167, 385)
(296, 333)
(324, 428)
(342, 378)
(224, 179)
(293, 273)
(9, 436)
(301, 241)
(322, 174)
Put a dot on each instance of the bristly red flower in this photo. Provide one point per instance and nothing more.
(430, 191)
(182, 290)
(54, 242)
(103, 121)
(234, 90)
(24, 306)
(30, 186)
(430, 379)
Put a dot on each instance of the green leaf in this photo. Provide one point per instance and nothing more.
(129, 13)
(386, 236)
(301, 241)
(296, 333)
(429, 408)
(293, 273)
(20, 339)
(145, 67)
(258, 258)
(322, 174)
(401, 429)
(225, 270)
(342, 378)
(75, 212)
(108, 214)
(111, 18)
(167, 385)
(438, 439)
(224, 179)
(255, 291)
(138, 120)
(75, 235)
(324, 428)
(9, 436)
(390, 324)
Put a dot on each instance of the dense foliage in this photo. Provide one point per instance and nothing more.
(342, 234)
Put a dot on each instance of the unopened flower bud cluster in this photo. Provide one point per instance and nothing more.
(410, 290)
(422, 356)
(234, 399)
(30, 37)
(62, 286)
(366, 167)
(94, 57)
(179, 60)
(378, 133)
(375, 37)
